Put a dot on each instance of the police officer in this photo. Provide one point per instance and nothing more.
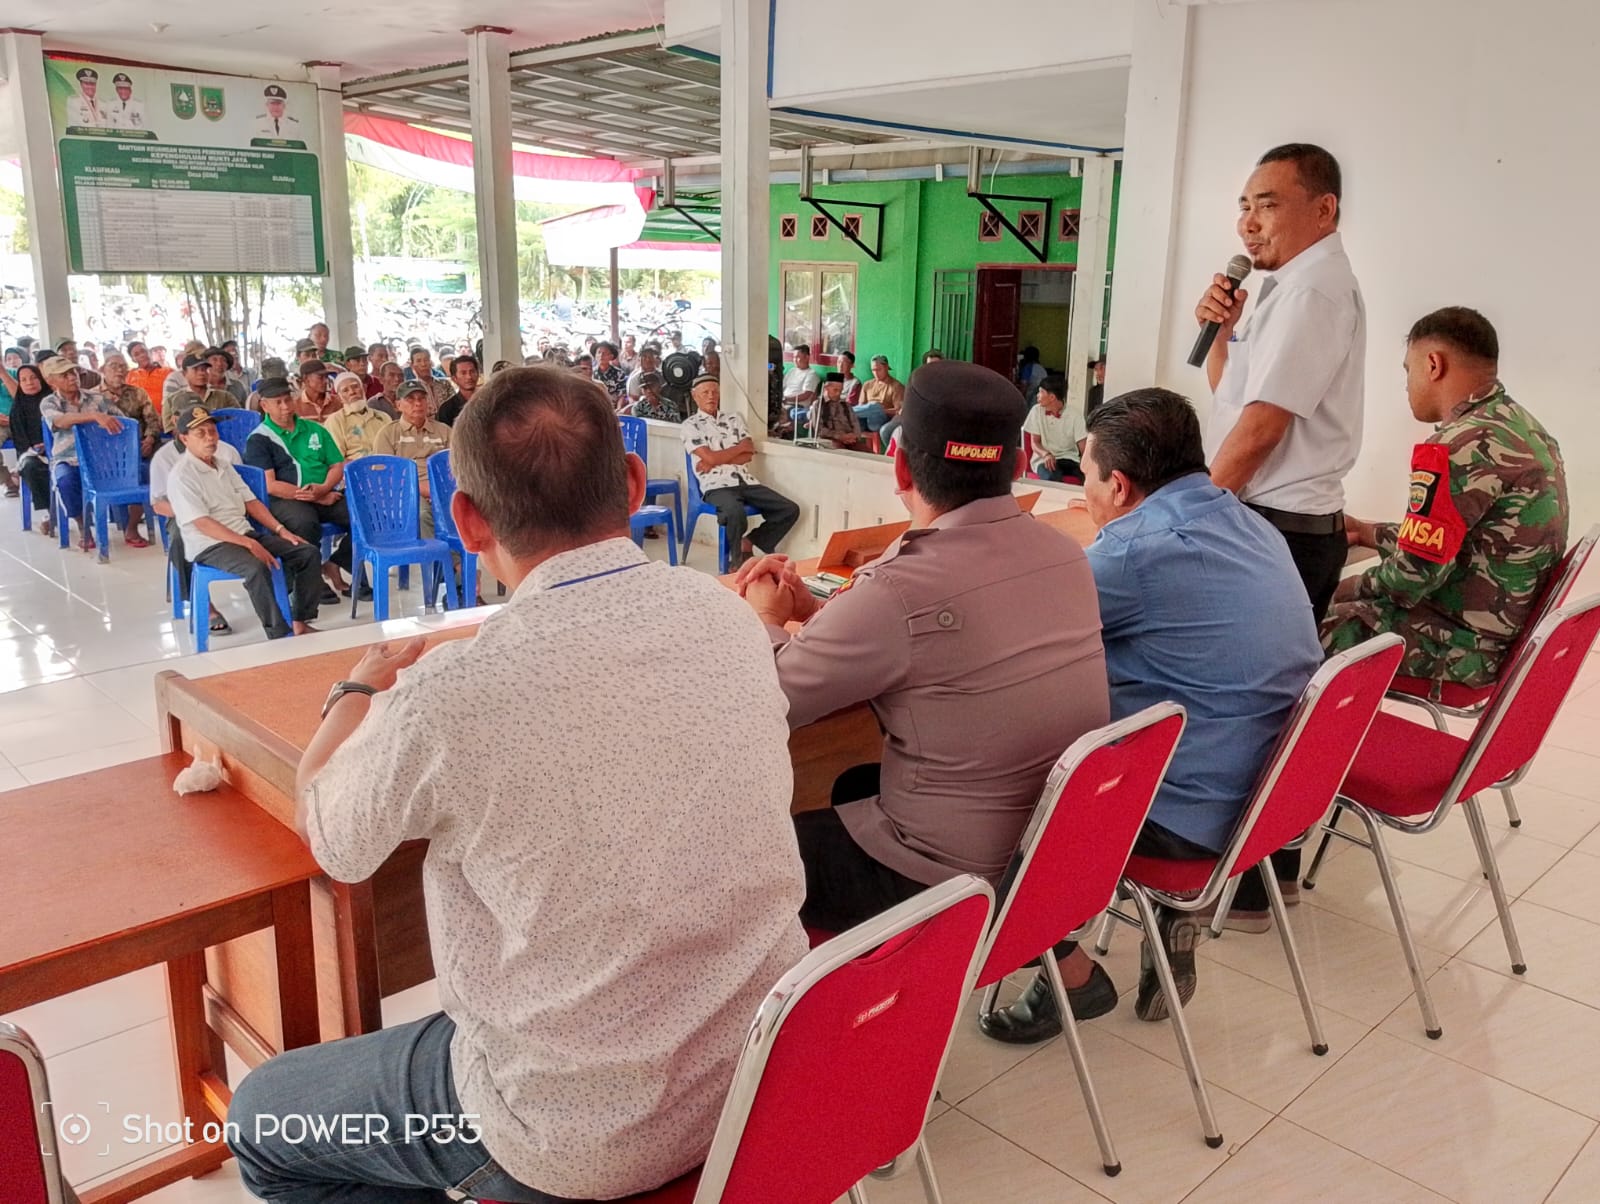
(275, 123)
(84, 108)
(975, 638)
(125, 113)
(1486, 524)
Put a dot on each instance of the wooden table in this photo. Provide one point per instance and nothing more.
(111, 872)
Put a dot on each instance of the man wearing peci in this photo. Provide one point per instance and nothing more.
(276, 124)
(1288, 382)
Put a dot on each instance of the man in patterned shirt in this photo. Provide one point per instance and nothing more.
(1486, 522)
(720, 450)
(610, 376)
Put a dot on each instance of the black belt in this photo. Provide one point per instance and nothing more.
(1291, 523)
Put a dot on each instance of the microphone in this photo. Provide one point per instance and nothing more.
(1238, 269)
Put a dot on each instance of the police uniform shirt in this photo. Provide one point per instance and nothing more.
(1303, 349)
(977, 644)
(717, 433)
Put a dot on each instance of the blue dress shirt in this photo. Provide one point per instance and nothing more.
(1200, 603)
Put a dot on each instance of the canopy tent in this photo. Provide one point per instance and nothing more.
(587, 239)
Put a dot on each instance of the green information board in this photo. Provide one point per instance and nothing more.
(167, 171)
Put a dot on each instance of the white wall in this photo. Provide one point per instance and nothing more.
(1467, 135)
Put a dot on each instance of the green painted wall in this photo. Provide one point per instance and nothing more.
(929, 226)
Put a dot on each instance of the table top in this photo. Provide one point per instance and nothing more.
(114, 853)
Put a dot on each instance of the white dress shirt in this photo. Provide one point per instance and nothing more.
(607, 909)
(717, 434)
(1304, 349)
(198, 490)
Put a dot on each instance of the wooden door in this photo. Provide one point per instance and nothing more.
(994, 342)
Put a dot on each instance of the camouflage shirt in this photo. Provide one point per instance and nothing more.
(1460, 575)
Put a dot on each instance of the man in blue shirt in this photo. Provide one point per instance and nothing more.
(1200, 604)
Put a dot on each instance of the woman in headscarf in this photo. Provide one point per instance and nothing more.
(27, 434)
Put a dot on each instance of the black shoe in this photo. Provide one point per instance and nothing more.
(1033, 1017)
(1179, 932)
(366, 593)
(330, 596)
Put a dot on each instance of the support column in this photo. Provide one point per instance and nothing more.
(1152, 169)
(1089, 281)
(746, 206)
(22, 60)
(616, 316)
(489, 93)
(339, 281)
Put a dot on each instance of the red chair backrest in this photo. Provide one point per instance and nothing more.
(1315, 751)
(1532, 690)
(29, 1171)
(840, 1066)
(1076, 846)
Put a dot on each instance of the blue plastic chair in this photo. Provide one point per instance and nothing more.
(202, 577)
(645, 517)
(636, 439)
(62, 530)
(234, 426)
(381, 492)
(698, 506)
(441, 488)
(109, 467)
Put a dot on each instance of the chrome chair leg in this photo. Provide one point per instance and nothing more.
(1180, 1027)
(991, 996)
(1513, 816)
(1308, 880)
(858, 1194)
(1069, 1030)
(1225, 904)
(1491, 871)
(1280, 916)
(1102, 943)
(930, 1181)
(1402, 925)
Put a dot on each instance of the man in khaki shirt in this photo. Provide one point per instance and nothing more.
(976, 700)
(880, 398)
(416, 437)
(354, 428)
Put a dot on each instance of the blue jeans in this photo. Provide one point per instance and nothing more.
(360, 1083)
(872, 416)
(1065, 470)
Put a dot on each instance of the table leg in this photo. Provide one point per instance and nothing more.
(192, 1044)
(357, 966)
(297, 965)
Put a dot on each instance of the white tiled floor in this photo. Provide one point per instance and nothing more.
(1503, 1108)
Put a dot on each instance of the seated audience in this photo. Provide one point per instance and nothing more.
(881, 398)
(194, 389)
(975, 705)
(355, 361)
(146, 374)
(238, 371)
(932, 356)
(583, 366)
(213, 509)
(720, 450)
(1200, 604)
(852, 385)
(801, 384)
(1030, 372)
(421, 368)
(182, 379)
(27, 436)
(628, 357)
(68, 406)
(387, 401)
(1486, 524)
(355, 427)
(465, 373)
(316, 401)
(653, 402)
(1097, 390)
(836, 422)
(416, 437)
(221, 376)
(378, 354)
(711, 362)
(595, 1068)
(1057, 431)
(609, 374)
(161, 466)
(136, 404)
(304, 472)
(649, 362)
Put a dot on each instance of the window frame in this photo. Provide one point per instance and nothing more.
(817, 270)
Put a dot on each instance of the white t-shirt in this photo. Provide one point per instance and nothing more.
(1058, 436)
(607, 910)
(802, 380)
(1304, 349)
(170, 454)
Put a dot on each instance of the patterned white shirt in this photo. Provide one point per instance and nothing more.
(607, 909)
(717, 434)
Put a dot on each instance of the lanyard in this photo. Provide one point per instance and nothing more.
(594, 576)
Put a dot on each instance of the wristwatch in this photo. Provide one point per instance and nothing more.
(341, 688)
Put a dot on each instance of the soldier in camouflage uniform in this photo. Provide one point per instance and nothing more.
(1485, 524)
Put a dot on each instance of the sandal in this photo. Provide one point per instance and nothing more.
(219, 626)
(135, 540)
(86, 544)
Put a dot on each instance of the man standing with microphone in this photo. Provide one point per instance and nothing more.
(1288, 387)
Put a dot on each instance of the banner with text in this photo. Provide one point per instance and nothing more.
(174, 171)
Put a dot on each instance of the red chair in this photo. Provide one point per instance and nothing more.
(839, 1069)
(1444, 699)
(30, 1166)
(1291, 797)
(1026, 456)
(1070, 859)
(1410, 777)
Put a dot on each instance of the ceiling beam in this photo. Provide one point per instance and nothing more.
(621, 43)
(544, 92)
(435, 112)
